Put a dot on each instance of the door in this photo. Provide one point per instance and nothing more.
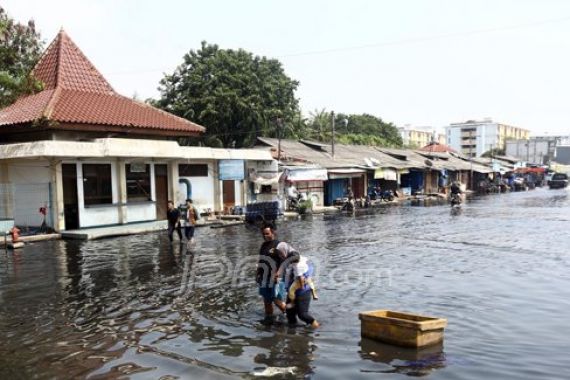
(228, 195)
(70, 202)
(358, 187)
(161, 191)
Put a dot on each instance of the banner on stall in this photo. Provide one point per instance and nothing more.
(231, 170)
(387, 174)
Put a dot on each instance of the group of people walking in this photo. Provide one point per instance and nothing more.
(285, 280)
(284, 276)
(176, 222)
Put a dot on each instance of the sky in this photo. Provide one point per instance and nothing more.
(410, 62)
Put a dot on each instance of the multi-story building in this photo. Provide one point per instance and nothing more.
(538, 150)
(417, 137)
(473, 138)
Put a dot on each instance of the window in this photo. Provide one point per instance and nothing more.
(138, 182)
(193, 170)
(97, 184)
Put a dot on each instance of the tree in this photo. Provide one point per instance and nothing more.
(20, 49)
(362, 129)
(493, 152)
(237, 96)
(320, 125)
(372, 130)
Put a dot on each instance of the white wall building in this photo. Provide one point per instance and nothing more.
(419, 137)
(539, 150)
(113, 181)
(473, 138)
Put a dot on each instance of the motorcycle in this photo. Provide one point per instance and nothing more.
(387, 195)
(456, 199)
(293, 203)
(348, 206)
(345, 204)
(383, 195)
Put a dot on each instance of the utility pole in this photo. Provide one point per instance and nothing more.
(332, 145)
(279, 123)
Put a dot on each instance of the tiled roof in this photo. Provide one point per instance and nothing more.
(75, 92)
(437, 147)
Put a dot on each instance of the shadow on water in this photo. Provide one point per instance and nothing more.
(141, 307)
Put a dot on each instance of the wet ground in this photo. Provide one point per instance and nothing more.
(136, 307)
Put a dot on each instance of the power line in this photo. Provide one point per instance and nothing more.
(431, 38)
(387, 43)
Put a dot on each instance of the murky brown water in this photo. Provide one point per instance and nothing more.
(136, 307)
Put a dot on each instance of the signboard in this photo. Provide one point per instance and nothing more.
(138, 167)
(231, 170)
(307, 175)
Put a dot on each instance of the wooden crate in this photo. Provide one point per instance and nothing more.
(402, 329)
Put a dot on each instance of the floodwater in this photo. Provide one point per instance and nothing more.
(136, 307)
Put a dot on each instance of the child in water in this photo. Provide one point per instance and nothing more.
(299, 273)
(302, 276)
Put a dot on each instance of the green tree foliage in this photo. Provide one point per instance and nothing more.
(493, 152)
(20, 49)
(237, 96)
(320, 125)
(362, 129)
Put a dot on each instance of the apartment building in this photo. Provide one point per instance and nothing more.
(473, 138)
(417, 137)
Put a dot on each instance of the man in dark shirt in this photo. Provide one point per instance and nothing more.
(455, 188)
(267, 272)
(173, 216)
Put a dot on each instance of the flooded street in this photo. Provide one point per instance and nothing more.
(498, 269)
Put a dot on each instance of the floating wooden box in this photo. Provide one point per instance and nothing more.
(402, 329)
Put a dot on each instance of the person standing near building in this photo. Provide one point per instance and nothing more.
(192, 216)
(173, 217)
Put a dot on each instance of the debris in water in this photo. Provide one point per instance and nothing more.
(272, 371)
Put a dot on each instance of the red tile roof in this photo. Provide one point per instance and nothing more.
(437, 148)
(75, 92)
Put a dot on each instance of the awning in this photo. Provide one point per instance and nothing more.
(345, 173)
(267, 179)
(298, 175)
(387, 174)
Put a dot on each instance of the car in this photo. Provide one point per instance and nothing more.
(558, 181)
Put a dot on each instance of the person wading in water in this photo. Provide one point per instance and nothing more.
(267, 272)
(192, 215)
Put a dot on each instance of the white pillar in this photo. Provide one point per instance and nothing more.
(122, 192)
(57, 202)
(218, 196)
(6, 193)
(173, 182)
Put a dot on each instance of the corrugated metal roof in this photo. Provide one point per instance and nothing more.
(370, 157)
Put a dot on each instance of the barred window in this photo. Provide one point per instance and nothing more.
(138, 182)
(97, 184)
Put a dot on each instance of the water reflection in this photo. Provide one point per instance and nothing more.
(141, 307)
(287, 351)
(408, 361)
